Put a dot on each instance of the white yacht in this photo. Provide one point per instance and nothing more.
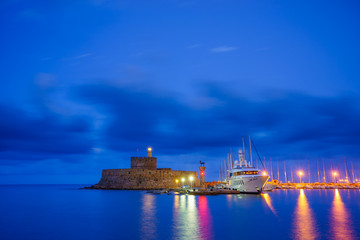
(246, 178)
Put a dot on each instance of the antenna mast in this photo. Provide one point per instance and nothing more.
(251, 161)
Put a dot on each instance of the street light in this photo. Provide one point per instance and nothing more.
(334, 174)
(191, 179)
(300, 174)
(182, 180)
(177, 182)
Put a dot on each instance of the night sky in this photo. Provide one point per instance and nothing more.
(84, 83)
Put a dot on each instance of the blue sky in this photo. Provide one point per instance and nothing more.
(84, 83)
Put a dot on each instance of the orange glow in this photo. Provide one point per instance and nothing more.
(177, 180)
(300, 173)
(341, 226)
(304, 221)
(268, 202)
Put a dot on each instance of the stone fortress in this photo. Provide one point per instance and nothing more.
(144, 174)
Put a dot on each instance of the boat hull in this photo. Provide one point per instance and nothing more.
(269, 187)
(248, 184)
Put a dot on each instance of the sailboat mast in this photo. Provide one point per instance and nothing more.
(324, 170)
(251, 161)
(309, 171)
(271, 169)
(317, 166)
(352, 171)
(346, 172)
(285, 173)
(278, 173)
(228, 162)
(292, 176)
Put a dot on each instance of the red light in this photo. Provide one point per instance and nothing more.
(202, 173)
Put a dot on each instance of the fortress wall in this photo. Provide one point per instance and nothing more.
(145, 178)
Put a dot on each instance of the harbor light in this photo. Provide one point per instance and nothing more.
(300, 174)
(177, 180)
(264, 173)
(191, 179)
(334, 174)
(182, 180)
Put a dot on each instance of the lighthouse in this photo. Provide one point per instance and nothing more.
(202, 175)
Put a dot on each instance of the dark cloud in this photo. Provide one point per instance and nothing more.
(287, 125)
(41, 135)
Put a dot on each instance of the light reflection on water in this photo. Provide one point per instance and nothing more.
(268, 202)
(205, 219)
(185, 217)
(148, 221)
(192, 216)
(304, 221)
(191, 221)
(341, 225)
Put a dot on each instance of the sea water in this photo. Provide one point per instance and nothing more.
(67, 212)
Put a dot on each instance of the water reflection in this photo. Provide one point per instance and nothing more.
(268, 202)
(205, 218)
(304, 222)
(148, 223)
(341, 225)
(191, 222)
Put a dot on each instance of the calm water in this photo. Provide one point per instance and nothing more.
(64, 212)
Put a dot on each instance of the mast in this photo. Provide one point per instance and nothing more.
(228, 161)
(285, 173)
(220, 173)
(317, 166)
(324, 170)
(352, 171)
(243, 146)
(292, 176)
(309, 171)
(278, 173)
(251, 161)
(346, 172)
(265, 164)
(271, 170)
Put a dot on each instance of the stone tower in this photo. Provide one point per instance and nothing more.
(202, 174)
(148, 162)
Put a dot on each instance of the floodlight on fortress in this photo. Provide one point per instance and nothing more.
(191, 178)
(177, 180)
(149, 152)
(182, 179)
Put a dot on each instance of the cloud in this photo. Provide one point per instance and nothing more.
(41, 136)
(223, 49)
(292, 124)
